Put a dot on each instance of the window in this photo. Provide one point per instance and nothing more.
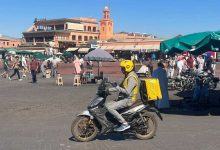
(7, 43)
(89, 28)
(96, 37)
(59, 27)
(85, 38)
(94, 29)
(90, 37)
(3, 43)
(73, 37)
(13, 44)
(29, 39)
(84, 28)
(80, 38)
(49, 38)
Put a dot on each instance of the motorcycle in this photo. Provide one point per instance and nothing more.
(97, 120)
(185, 82)
(213, 81)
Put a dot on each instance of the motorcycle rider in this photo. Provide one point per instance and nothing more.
(128, 90)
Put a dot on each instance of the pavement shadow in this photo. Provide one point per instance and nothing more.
(186, 106)
(112, 136)
(116, 137)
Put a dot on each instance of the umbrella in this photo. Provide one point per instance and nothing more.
(25, 53)
(196, 43)
(99, 55)
(40, 56)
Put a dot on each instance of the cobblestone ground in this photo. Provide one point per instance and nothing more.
(39, 116)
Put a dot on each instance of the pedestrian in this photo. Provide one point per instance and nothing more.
(6, 67)
(24, 66)
(16, 66)
(43, 68)
(200, 63)
(180, 66)
(161, 74)
(150, 66)
(77, 65)
(209, 62)
(54, 66)
(171, 65)
(34, 64)
(153, 57)
(190, 62)
(213, 65)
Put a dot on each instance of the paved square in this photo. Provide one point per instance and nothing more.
(39, 116)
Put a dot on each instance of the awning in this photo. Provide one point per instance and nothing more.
(83, 50)
(146, 47)
(151, 47)
(103, 47)
(72, 49)
(110, 47)
(118, 47)
(128, 47)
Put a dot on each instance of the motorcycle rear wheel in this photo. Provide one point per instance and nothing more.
(84, 129)
(150, 123)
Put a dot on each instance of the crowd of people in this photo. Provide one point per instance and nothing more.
(181, 63)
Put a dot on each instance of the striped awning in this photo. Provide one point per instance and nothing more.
(72, 49)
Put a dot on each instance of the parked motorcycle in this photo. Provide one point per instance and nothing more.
(185, 82)
(97, 120)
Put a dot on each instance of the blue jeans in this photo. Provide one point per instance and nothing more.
(34, 76)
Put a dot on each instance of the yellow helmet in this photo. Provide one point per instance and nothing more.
(127, 64)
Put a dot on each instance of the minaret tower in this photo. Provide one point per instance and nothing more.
(106, 25)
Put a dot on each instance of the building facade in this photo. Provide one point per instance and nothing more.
(9, 42)
(63, 32)
(79, 32)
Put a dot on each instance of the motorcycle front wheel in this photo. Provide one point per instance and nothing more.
(148, 128)
(84, 129)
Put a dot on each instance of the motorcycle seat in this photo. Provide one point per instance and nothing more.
(137, 103)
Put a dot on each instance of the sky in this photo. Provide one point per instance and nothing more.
(163, 18)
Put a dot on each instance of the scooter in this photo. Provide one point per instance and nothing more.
(97, 120)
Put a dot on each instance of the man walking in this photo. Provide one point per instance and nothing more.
(34, 67)
(16, 67)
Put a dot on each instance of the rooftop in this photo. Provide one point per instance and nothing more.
(4, 37)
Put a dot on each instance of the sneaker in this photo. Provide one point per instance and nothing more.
(9, 78)
(123, 127)
(20, 79)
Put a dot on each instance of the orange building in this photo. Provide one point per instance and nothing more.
(106, 25)
(64, 33)
(9, 42)
(73, 33)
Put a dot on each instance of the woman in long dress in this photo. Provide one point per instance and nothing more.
(161, 74)
(77, 65)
